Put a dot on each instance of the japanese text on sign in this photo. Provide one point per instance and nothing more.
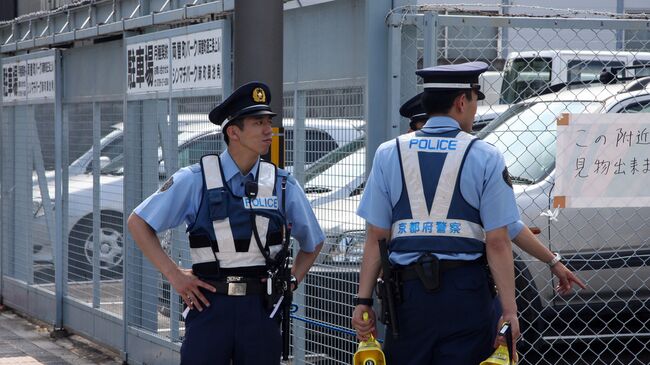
(28, 79)
(183, 62)
(603, 160)
(147, 66)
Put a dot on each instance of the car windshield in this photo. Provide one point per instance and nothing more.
(523, 77)
(526, 136)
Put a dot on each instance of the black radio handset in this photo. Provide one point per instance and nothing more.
(250, 189)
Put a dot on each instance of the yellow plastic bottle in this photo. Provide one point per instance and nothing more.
(499, 357)
(369, 352)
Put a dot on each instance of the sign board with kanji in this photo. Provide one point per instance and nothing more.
(29, 78)
(191, 60)
(603, 160)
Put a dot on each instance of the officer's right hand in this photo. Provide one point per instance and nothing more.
(187, 286)
(514, 327)
(364, 328)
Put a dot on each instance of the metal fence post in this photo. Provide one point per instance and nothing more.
(58, 197)
(430, 39)
(97, 218)
(377, 101)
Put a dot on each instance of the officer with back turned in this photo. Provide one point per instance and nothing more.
(445, 215)
(518, 232)
(239, 211)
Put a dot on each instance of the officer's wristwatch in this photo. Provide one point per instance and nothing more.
(555, 260)
(364, 301)
(294, 282)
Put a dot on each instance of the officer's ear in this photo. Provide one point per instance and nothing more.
(460, 102)
(234, 130)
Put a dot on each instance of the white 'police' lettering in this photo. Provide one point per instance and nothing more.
(261, 203)
(433, 144)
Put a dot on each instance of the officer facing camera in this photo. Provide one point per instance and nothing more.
(240, 212)
(445, 217)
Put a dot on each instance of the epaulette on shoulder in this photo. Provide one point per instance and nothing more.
(283, 172)
(195, 168)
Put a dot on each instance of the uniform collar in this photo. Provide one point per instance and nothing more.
(230, 168)
(440, 124)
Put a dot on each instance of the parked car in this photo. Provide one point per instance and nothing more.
(528, 73)
(194, 141)
(596, 242)
(192, 144)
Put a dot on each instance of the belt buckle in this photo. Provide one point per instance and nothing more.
(235, 286)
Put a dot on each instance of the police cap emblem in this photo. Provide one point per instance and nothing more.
(259, 96)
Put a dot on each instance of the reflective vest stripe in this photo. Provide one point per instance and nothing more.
(201, 255)
(212, 172)
(265, 180)
(455, 149)
(262, 228)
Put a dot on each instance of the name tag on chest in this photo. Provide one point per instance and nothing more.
(261, 203)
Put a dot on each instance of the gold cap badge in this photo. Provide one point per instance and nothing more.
(259, 96)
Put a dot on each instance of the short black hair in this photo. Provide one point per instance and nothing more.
(441, 101)
(239, 123)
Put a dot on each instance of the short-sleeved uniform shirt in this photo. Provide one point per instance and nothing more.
(482, 184)
(179, 201)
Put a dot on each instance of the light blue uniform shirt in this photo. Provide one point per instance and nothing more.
(180, 202)
(515, 228)
(481, 184)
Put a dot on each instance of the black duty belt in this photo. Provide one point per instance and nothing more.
(409, 272)
(238, 285)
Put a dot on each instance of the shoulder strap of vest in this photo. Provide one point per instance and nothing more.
(211, 170)
(409, 146)
(266, 178)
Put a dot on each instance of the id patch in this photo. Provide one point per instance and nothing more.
(168, 184)
(506, 177)
(261, 203)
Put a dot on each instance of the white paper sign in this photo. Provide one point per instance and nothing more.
(603, 160)
(147, 67)
(40, 78)
(197, 60)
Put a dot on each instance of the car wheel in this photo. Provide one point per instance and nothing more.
(111, 248)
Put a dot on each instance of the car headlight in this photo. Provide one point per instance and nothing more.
(348, 247)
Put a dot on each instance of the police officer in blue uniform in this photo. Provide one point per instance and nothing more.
(520, 235)
(239, 211)
(446, 216)
(412, 109)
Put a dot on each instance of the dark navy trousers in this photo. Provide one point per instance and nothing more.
(236, 328)
(453, 325)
